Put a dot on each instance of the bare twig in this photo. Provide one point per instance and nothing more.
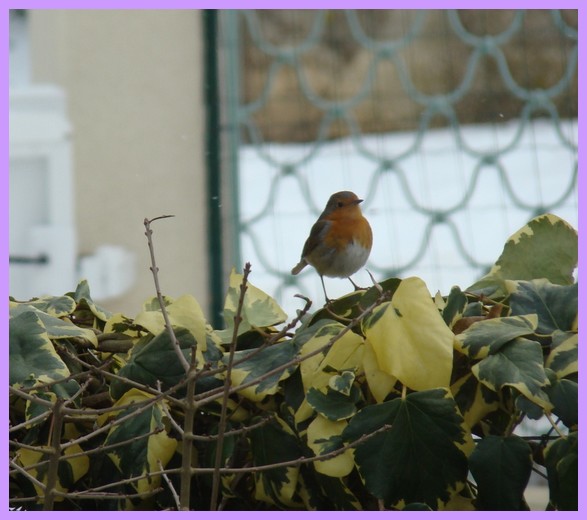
(53, 466)
(226, 390)
(155, 271)
(28, 476)
(236, 431)
(169, 485)
(301, 460)
(249, 469)
(554, 425)
(188, 435)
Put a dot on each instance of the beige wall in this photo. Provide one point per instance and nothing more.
(134, 85)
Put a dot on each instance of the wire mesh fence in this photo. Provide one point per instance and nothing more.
(456, 127)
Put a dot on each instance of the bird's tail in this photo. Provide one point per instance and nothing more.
(301, 264)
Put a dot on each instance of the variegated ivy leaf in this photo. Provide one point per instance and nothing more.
(556, 306)
(260, 362)
(82, 297)
(421, 457)
(69, 472)
(486, 337)
(324, 436)
(146, 452)
(56, 306)
(546, 247)
(183, 312)
(272, 443)
(564, 356)
(342, 383)
(410, 339)
(259, 309)
(32, 356)
(518, 364)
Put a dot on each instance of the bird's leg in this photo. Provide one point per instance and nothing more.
(328, 300)
(357, 288)
(375, 284)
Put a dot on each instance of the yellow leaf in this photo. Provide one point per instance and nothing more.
(258, 310)
(184, 312)
(410, 339)
(321, 429)
(380, 383)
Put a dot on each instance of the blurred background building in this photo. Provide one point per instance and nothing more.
(456, 127)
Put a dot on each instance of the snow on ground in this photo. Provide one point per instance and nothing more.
(484, 201)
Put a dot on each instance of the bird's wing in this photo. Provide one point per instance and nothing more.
(316, 236)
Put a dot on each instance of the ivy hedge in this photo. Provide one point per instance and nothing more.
(388, 398)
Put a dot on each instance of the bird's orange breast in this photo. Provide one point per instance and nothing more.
(344, 230)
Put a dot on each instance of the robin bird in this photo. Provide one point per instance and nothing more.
(340, 241)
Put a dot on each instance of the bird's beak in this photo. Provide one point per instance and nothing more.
(358, 201)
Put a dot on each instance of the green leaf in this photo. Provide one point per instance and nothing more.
(262, 362)
(56, 306)
(324, 493)
(562, 466)
(410, 339)
(523, 404)
(454, 309)
(501, 466)
(142, 456)
(373, 293)
(517, 364)
(34, 409)
(546, 247)
(57, 328)
(82, 297)
(555, 305)
(31, 353)
(334, 405)
(155, 359)
(564, 356)
(564, 395)
(422, 457)
(474, 399)
(259, 309)
(486, 337)
(270, 444)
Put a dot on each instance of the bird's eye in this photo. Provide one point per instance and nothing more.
(340, 204)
